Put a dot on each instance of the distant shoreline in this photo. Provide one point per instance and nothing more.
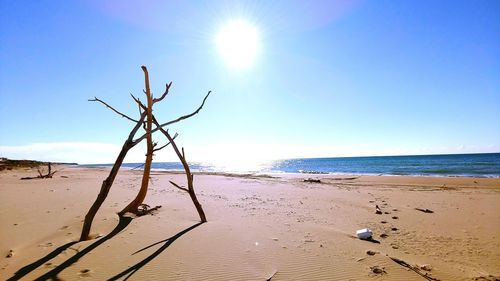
(473, 165)
(9, 164)
(481, 165)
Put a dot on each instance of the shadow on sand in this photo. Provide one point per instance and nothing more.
(52, 274)
(167, 242)
(32, 266)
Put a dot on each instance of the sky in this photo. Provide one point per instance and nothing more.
(325, 78)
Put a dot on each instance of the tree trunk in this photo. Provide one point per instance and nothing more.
(134, 205)
(105, 187)
(196, 203)
(108, 182)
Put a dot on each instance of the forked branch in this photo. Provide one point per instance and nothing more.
(167, 87)
(162, 147)
(178, 119)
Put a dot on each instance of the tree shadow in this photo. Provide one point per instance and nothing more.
(32, 266)
(52, 274)
(167, 242)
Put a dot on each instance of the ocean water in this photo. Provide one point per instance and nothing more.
(477, 165)
(470, 165)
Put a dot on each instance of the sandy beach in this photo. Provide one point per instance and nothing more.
(260, 227)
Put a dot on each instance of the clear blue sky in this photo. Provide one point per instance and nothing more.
(330, 78)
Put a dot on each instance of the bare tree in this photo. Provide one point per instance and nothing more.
(145, 113)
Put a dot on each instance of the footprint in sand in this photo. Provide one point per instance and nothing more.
(84, 273)
(50, 265)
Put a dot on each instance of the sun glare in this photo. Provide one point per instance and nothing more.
(237, 43)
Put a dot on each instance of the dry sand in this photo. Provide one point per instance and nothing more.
(259, 226)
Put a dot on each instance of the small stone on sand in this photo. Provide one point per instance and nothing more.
(378, 270)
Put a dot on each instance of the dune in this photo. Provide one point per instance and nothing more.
(260, 227)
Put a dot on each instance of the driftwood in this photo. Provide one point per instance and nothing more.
(108, 182)
(414, 268)
(145, 209)
(312, 180)
(42, 176)
(145, 120)
(133, 207)
(425, 210)
(189, 175)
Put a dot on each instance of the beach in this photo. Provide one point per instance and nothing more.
(260, 227)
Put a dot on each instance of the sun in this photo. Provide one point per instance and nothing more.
(238, 43)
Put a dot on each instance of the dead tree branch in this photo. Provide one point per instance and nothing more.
(113, 109)
(178, 119)
(178, 186)
(162, 147)
(42, 176)
(139, 102)
(145, 209)
(133, 207)
(167, 87)
(189, 175)
(186, 116)
(108, 182)
(146, 119)
(414, 268)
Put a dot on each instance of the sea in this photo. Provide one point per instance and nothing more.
(449, 165)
